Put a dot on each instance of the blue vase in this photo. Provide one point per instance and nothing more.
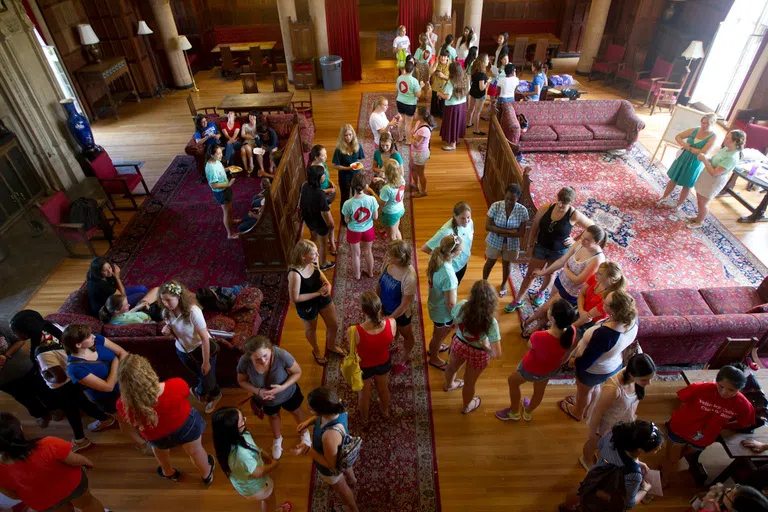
(78, 126)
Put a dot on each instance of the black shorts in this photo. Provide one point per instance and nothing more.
(406, 110)
(402, 320)
(373, 371)
(289, 405)
(320, 228)
(223, 196)
(446, 324)
(308, 310)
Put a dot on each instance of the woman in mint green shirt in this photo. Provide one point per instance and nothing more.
(716, 173)
(475, 342)
(462, 226)
(391, 198)
(246, 465)
(442, 295)
(360, 211)
(408, 94)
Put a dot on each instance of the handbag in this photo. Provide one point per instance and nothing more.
(257, 403)
(350, 367)
(197, 354)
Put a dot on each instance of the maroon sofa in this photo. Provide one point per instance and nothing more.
(281, 123)
(581, 125)
(687, 326)
(147, 340)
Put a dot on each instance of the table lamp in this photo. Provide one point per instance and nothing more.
(695, 50)
(90, 40)
(144, 30)
(185, 45)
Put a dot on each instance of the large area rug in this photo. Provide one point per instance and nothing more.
(178, 234)
(384, 39)
(653, 246)
(397, 469)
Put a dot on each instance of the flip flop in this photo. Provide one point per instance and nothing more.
(459, 384)
(339, 351)
(440, 367)
(321, 360)
(571, 400)
(476, 400)
(565, 407)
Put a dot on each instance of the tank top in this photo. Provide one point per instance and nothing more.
(309, 284)
(552, 233)
(317, 438)
(391, 292)
(622, 409)
(577, 267)
(373, 349)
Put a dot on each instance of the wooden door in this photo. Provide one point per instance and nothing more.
(444, 25)
(303, 39)
(574, 24)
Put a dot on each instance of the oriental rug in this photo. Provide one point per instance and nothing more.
(178, 234)
(397, 468)
(384, 39)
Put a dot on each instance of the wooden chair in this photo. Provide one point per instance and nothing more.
(194, 110)
(250, 84)
(733, 350)
(648, 79)
(540, 53)
(117, 183)
(627, 69)
(608, 62)
(279, 81)
(56, 213)
(257, 62)
(518, 53)
(229, 63)
(666, 94)
(304, 108)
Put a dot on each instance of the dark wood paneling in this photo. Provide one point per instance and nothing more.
(233, 13)
(574, 21)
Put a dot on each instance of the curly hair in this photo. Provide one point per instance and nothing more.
(479, 63)
(186, 299)
(139, 390)
(477, 314)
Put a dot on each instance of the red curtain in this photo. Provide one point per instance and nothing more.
(344, 36)
(414, 14)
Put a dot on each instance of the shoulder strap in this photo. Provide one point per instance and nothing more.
(87, 362)
(352, 344)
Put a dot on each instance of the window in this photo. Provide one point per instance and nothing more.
(66, 88)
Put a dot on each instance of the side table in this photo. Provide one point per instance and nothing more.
(98, 79)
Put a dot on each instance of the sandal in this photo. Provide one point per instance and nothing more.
(459, 384)
(571, 400)
(321, 360)
(339, 351)
(473, 405)
(440, 367)
(175, 476)
(566, 408)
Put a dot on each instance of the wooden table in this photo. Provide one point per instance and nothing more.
(98, 79)
(759, 179)
(266, 46)
(557, 92)
(554, 41)
(731, 441)
(262, 101)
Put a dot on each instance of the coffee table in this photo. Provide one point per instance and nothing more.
(557, 92)
(756, 174)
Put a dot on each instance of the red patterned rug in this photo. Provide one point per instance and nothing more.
(178, 234)
(397, 469)
(384, 39)
(653, 246)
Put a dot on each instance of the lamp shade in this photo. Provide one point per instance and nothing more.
(87, 35)
(184, 43)
(695, 50)
(144, 29)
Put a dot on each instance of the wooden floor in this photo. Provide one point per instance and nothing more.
(483, 464)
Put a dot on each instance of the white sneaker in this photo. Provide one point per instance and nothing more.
(305, 438)
(211, 406)
(277, 448)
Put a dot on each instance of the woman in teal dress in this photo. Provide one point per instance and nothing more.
(686, 168)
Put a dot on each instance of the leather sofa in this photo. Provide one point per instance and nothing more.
(147, 340)
(581, 125)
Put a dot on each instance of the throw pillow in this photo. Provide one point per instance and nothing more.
(248, 299)
(221, 323)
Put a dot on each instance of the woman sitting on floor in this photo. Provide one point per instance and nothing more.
(103, 280)
(117, 311)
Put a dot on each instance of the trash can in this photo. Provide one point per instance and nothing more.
(331, 69)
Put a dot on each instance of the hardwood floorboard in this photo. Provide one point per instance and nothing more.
(483, 464)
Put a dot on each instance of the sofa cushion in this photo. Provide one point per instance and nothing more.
(682, 301)
(762, 290)
(77, 302)
(130, 330)
(221, 322)
(606, 132)
(731, 299)
(663, 326)
(740, 325)
(572, 132)
(65, 319)
(539, 133)
(640, 304)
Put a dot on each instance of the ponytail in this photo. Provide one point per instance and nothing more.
(563, 315)
(371, 306)
(458, 209)
(448, 41)
(640, 365)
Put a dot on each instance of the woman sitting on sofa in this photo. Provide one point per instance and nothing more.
(117, 311)
(251, 141)
(205, 132)
(103, 280)
(269, 144)
(230, 129)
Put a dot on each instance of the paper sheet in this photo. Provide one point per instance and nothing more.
(653, 477)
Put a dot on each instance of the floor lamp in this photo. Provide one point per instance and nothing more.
(144, 30)
(185, 45)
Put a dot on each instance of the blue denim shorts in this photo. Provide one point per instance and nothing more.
(564, 294)
(548, 255)
(676, 439)
(532, 377)
(191, 430)
(594, 379)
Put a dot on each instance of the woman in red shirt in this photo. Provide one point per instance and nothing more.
(43, 473)
(591, 299)
(547, 351)
(230, 129)
(162, 415)
(708, 408)
(372, 339)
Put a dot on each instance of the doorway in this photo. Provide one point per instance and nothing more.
(378, 26)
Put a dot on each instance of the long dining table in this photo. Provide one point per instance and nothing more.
(260, 101)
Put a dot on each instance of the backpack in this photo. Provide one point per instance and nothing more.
(86, 212)
(349, 451)
(603, 489)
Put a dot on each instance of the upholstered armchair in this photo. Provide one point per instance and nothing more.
(647, 80)
(115, 182)
(56, 213)
(609, 62)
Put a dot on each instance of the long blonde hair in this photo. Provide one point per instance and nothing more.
(351, 148)
(450, 247)
(139, 390)
(622, 306)
(393, 172)
(613, 272)
(299, 252)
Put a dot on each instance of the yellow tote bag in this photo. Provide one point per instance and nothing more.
(350, 367)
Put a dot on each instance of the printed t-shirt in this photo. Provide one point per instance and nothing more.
(380, 161)
(407, 87)
(78, 372)
(424, 55)
(443, 280)
(545, 354)
(401, 43)
(377, 121)
(704, 413)
(278, 373)
(593, 300)
(360, 211)
(208, 130)
(465, 233)
(42, 480)
(172, 410)
(452, 100)
(492, 335)
(216, 175)
(243, 462)
(394, 198)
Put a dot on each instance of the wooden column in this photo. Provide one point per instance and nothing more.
(287, 9)
(317, 13)
(473, 16)
(598, 14)
(166, 28)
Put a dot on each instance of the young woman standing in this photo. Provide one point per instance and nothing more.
(316, 212)
(408, 94)
(591, 300)
(378, 120)
(466, 41)
(422, 133)
(319, 156)
(161, 414)
(359, 212)
(372, 339)
(348, 152)
(194, 346)
(455, 96)
(443, 286)
(397, 289)
(503, 224)
(387, 150)
(220, 185)
(329, 428)
(438, 73)
(460, 225)
(477, 92)
(475, 342)
(391, 198)
(401, 47)
(230, 129)
(310, 290)
(547, 351)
